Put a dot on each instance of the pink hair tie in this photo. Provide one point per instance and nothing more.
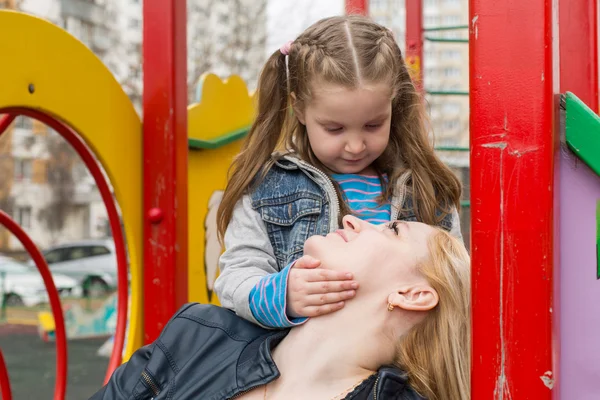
(285, 49)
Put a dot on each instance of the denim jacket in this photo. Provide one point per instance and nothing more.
(271, 223)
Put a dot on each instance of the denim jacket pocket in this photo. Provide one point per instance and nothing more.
(290, 221)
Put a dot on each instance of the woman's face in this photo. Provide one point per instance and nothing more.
(383, 252)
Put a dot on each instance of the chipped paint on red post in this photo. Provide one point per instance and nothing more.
(512, 197)
(165, 162)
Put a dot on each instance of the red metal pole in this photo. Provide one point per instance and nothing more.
(414, 40)
(5, 389)
(60, 385)
(512, 190)
(579, 49)
(165, 162)
(360, 7)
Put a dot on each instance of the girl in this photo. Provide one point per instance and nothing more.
(340, 129)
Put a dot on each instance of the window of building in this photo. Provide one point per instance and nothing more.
(24, 217)
(451, 124)
(451, 20)
(224, 18)
(451, 108)
(23, 123)
(23, 169)
(450, 72)
(451, 55)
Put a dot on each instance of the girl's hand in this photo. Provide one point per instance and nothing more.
(316, 291)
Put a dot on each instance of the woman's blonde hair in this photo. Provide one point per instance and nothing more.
(436, 353)
(347, 51)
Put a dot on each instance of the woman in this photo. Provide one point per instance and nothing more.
(406, 335)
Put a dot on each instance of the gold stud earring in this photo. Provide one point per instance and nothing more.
(390, 307)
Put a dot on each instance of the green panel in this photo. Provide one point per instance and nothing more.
(199, 144)
(443, 40)
(451, 148)
(446, 28)
(447, 93)
(582, 131)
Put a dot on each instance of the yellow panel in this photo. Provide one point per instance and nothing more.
(224, 107)
(72, 85)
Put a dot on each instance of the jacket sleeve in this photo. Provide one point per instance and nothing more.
(248, 257)
(268, 301)
(126, 377)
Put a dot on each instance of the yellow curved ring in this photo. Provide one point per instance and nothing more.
(74, 86)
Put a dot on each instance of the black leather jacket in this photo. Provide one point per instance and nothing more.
(209, 353)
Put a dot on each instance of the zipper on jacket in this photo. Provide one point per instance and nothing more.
(333, 223)
(375, 388)
(399, 199)
(151, 384)
(243, 392)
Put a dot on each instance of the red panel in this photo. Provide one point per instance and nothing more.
(414, 40)
(512, 190)
(4, 379)
(114, 220)
(165, 163)
(579, 49)
(360, 7)
(60, 386)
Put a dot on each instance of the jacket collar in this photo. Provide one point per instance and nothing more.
(256, 367)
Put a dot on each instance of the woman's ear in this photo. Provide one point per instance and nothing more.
(414, 298)
(297, 109)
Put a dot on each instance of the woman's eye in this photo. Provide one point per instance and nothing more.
(394, 226)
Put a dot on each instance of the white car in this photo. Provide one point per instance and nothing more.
(92, 263)
(22, 285)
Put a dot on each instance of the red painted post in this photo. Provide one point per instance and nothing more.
(579, 49)
(512, 197)
(414, 40)
(165, 162)
(360, 7)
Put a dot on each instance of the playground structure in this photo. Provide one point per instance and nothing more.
(534, 291)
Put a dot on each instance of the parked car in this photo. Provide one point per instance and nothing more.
(22, 285)
(92, 263)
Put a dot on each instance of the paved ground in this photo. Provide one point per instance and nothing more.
(31, 364)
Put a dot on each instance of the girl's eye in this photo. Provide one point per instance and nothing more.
(372, 126)
(333, 129)
(394, 226)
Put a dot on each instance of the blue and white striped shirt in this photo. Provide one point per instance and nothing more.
(268, 297)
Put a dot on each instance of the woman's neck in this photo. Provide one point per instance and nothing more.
(311, 354)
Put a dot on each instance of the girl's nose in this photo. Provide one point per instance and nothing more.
(355, 146)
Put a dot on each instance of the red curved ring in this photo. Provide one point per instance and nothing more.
(61, 337)
(5, 121)
(4, 381)
(113, 217)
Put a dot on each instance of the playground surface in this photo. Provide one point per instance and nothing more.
(31, 364)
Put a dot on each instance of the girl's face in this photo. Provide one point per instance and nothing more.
(348, 129)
